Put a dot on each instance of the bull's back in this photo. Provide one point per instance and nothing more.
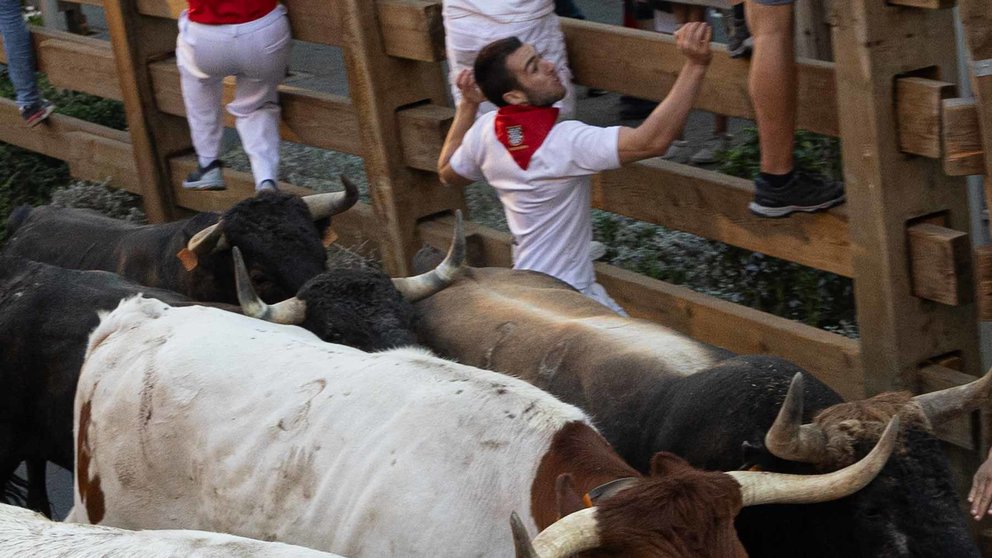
(262, 430)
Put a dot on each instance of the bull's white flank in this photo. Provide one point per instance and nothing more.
(204, 419)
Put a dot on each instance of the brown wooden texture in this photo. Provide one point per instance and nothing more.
(422, 132)
(595, 54)
(93, 152)
(962, 139)
(918, 113)
(874, 43)
(940, 260)
(924, 4)
(381, 85)
(154, 135)
(976, 18)
(411, 29)
(813, 30)
(75, 62)
(832, 358)
(959, 431)
(714, 205)
(983, 267)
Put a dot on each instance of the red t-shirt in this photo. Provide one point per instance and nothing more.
(225, 12)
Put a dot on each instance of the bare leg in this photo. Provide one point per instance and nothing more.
(772, 83)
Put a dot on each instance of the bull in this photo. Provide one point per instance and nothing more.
(199, 419)
(279, 235)
(652, 389)
(26, 533)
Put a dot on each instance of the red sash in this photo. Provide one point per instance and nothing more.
(523, 128)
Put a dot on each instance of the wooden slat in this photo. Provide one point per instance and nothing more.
(832, 358)
(962, 139)
(983, 266)
(958, 431)
(714, 206)
(422, 132)
(940, 263)
(74, 62)
(918, 114)
(93, 152)
(600, 56)
(924, 4)
(411, 29)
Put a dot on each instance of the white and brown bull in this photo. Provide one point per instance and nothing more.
(650, 389)
(26, 534)
(194, 418)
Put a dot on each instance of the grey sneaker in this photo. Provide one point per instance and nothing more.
(267, 186)
(805, 192)
(596, 250)
(210, 177)
(712, 147)
(678, 152)
(739, 40)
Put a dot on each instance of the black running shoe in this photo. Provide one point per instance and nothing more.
(37, 113)
(805, 192)
(210, 177)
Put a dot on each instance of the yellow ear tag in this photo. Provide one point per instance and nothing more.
(755, 468)
(188, 259)
(587, 500)
(329, 237)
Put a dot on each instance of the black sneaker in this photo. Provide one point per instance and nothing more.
(804, 192)
(739, 40)
(37, 113)
(206, 178)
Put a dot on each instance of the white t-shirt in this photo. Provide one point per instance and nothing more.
(500, 11)
(548, 205)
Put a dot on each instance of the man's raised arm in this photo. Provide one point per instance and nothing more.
(464, 117)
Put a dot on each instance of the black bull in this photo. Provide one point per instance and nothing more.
(278, 234)
(650, 393)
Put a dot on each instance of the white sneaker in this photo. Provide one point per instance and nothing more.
(712, 146)
(210, 177)
(678, 152)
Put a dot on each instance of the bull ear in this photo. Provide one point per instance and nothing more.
(665, 464)
(569, 499)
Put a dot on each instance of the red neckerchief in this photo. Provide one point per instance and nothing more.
(523, 128)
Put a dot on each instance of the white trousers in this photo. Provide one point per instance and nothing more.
(465, 37)
(596, 292)
(257, 54)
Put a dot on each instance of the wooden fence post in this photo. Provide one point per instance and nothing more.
(874, 43)
(137, 41)
(380, 86)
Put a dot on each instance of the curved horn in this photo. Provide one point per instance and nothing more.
(788, 438)
(209, 240)
(946, 403)
(291, 311)
(777, 488)
(332, 203)
(574, 533)
(426, 284)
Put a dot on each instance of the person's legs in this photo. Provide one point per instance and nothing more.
(772, 83)
(265, 59)
(20, 56)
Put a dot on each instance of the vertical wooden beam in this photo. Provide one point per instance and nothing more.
(976, 18)
(873, 44)
(812, 30)
(380, 86)
(138, 40)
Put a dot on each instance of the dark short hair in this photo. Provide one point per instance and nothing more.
(491, 73)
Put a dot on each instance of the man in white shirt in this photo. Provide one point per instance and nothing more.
(540, 167)
(470, 25)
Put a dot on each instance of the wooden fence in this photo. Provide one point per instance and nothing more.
(906, 141)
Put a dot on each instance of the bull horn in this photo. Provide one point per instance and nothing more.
(291, 311)
(426, 284)
(209, 240)
(332, 203)
(778, 488)
(790, 439)
(574, 533)
(946, 403)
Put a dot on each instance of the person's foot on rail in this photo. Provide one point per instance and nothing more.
(781, 195)
(210, 177)
(267, 185)
(36, 113)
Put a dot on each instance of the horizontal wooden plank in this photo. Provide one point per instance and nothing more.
(75, 62)
(918, 114)
(832, 358)
(422, 132)
(940, 264)
(958, 431)
(600, 55)
(411, 29)
(924, 4)
(93, 152)
(714, 205)
(962, 139)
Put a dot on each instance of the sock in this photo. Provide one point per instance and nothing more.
(739, 10)
(777, 181)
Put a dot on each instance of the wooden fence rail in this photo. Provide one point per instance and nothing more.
(899, 227)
